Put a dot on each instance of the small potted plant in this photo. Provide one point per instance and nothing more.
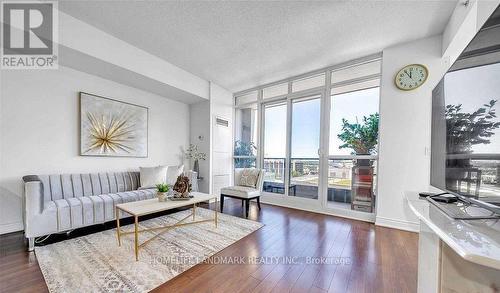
(162, 190)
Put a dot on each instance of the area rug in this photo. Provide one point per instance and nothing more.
(95, 263)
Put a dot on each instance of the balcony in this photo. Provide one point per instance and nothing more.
(304, 180)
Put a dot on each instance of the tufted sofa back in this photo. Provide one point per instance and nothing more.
(77, 185)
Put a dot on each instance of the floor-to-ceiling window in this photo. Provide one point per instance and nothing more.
(304, 147)
(246, 131)
(353, 149)
(353, 137)
(274, 129)
(316, 137)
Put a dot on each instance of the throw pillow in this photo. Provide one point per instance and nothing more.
(249, 177)
(172, 173)
(150, 176)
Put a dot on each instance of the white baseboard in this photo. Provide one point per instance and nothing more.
(397, 224)
(11, 227)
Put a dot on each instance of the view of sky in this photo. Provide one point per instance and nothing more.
(472, 88)
(306, 123)
(306, 117)
(275, 131)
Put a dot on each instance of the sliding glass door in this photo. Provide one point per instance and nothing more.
(352, 164)
(317, 138)
(275, 117)
(304, 146)
(291, 143)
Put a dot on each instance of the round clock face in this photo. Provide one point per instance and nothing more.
(411, 77)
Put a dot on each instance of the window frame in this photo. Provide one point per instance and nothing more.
(257, 143)
(324, 155)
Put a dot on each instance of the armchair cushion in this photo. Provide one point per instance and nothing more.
(249, 177)
(240, 191)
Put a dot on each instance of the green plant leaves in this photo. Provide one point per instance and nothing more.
(361, 138)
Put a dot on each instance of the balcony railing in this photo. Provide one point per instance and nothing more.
(304, 180)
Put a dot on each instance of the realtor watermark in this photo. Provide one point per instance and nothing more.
(254, 260)
(29, 35)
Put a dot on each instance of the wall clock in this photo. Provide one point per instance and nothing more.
(411, 77)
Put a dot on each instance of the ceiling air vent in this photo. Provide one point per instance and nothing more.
(221, 122)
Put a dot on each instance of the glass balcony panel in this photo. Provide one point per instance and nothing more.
(304, 178)
(352, 184)
(274, 175)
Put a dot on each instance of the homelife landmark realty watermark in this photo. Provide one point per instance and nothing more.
(29, 35)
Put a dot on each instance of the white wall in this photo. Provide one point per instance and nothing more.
(200, 126)
(217, 141)
(39, 132)
(221, 105)
(405, 117)
(405, 131)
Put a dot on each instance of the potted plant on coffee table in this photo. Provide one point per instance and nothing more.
(162, 190)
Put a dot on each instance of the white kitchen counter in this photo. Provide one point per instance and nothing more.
(476, 241)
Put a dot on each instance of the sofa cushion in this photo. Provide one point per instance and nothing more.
(150, 176)
(240, 191)
(65, 186)
(88, 210)
(172, 173)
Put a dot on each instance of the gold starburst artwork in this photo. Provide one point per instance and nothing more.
(109, 135)
(112, 128)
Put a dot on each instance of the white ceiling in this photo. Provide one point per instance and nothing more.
(239, 45)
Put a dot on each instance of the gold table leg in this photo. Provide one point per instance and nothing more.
(165, 229)
(136, 224)
(118, 226)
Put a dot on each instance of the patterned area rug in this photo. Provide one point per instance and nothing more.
(95, 263)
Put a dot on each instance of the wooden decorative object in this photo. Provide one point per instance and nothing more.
(182, 186)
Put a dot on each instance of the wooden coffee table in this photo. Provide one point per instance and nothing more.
(151, 206)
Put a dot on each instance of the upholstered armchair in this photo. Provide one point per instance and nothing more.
(248, 185)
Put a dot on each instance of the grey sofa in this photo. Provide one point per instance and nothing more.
(61, 203)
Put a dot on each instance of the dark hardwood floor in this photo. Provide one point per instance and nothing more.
(369, 258)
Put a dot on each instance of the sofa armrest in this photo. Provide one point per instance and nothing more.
(33, 195)
(193, 178)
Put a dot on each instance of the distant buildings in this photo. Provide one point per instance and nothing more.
(275, 168)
